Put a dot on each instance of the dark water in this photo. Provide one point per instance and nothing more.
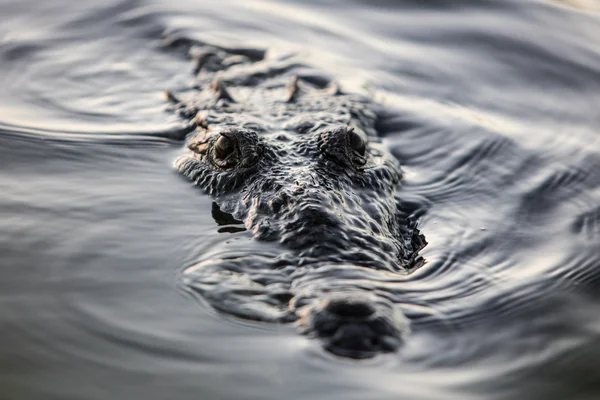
(497, 129)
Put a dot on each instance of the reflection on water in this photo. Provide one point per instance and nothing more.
(494, 121)
(585, 5)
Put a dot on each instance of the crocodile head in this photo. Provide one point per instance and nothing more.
(328, 197)
(301, 165)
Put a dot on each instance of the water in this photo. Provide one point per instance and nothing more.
(497, 131)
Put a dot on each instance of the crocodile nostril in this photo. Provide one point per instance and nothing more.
(352, 338)
(350, 308)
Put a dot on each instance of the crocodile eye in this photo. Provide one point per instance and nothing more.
(235, 149)
(224, 147)
(357, 142)
(345, 146)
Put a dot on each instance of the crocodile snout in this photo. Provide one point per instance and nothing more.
(356, 326)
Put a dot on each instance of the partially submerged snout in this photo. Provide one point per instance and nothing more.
(326, 301)
(353, 325)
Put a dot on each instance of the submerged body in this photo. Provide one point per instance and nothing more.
(280, 148)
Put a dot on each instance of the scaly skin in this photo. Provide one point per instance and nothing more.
(280, 148)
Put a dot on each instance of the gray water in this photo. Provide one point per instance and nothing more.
(498, 132)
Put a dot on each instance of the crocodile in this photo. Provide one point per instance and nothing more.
(299, 162)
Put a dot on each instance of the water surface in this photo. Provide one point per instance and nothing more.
(496, 126)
